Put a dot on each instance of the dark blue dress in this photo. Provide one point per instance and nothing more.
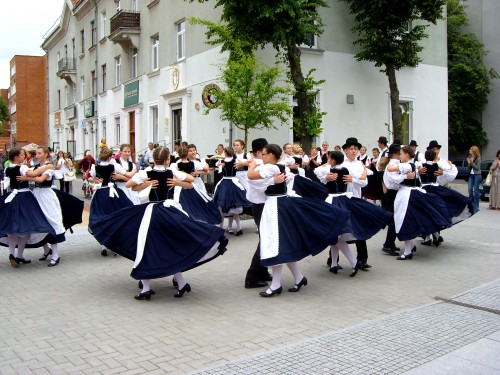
(230, 194)
(160, 238)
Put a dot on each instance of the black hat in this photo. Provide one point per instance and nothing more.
(394, 148)
(382, 140)
(351, 141)
(259, 144)
(413, 143)
(433, 144)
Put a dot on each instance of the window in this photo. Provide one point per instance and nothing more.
(118, 135)
(93, 26)
(58, 99)
(66, 51)
(103, 25)
(73, 48)
(82, 39)
(74, 92)
(94, 82)
(13, 89)
(82, 82)
(66, 95)
(103, 71)
(181, 29)
(58, 56)
(134, 5)
(134, 63)
(154, 122)
(118, 6)
(155, 44)
(103, 124)
(13, 69)
(118, 70)
(311, 41)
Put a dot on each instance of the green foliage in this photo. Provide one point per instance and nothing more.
(469, 82)
(4, 114)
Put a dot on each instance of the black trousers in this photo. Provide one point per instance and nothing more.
(256, 272)
(388, 205)
(64, 185)
(362, 251)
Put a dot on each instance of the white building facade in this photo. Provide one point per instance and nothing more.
(134, 71)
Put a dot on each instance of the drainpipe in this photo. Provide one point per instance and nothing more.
(96, 23)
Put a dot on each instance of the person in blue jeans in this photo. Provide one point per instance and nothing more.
(474, 165)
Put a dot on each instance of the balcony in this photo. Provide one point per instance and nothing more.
(66, 69)
(126, 28)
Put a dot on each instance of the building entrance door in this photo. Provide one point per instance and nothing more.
(176, 125)
(132, 134)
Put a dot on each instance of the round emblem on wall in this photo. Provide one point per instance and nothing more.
(175, 78)
(210, 93)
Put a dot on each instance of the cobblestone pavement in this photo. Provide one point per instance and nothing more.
(80, 317)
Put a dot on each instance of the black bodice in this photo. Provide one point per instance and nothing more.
(12, 173)
(104, 172)
(228, 170)
(428, 177)
(277, 189)
(297, 160)
(338, 186)
(162, 191)
(44, 184)
(244, 157)
(185, 166)
(411, 181)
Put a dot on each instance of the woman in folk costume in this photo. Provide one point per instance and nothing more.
(62, 210)
(365, 219)
(106, 198)
(435, 174)
(416, 212)
(20, 213)
(242, 161)
(129, 167)
(292, 160)
(198, 205)
(158, 236)
(316, 224)
(230, 194)
(200, 167)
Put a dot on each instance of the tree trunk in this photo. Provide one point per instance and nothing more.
(293, 57)
(397, 130)
(246, 138)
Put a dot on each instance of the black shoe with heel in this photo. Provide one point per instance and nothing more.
(273, 292)
(180, 292)
(334, 269)
(45, 256)
(144, 295)
(356, 268)
(437, 241)
(405, 257)
(13, 261)
(54, 262)
(23, 261)
(297, 287)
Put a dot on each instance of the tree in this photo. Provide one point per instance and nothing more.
(469, 82)
(4, 114)
(252, 98)
(285, 24)
(388, 37)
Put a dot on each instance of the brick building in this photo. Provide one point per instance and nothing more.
(28, 100)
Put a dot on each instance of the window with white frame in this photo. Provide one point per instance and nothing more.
(154, 122)
(155, 57)
(103, 125)
(93, 27)
(181, 40)
(74, 92)
(58, 99)
(93, 74)
(118, 129)
(134, 68)
(103, 25)
(82, 84)
(12, 70)
(103, 75)
(13, 89)
(118, 70)
(73, 48)
(134, 5)
(66, 95)
(82, 40)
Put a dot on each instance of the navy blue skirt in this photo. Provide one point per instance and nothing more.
(228, 195)
(102, 204)
(198, 208)
(459, 206)
(306, 227)
(365, 218)
(22, 215)
(306, 187)
(71, 207)
(175, 242)
(425, 214)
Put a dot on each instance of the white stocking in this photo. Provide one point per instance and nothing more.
(55, 254)
(181, 282)
(146, 286)
(294, 268)
(346, 250)
(21, 245)
(12, 240)
(334, 253)
(46, 249)
(277, 270)
(408, 247)
(237, 219)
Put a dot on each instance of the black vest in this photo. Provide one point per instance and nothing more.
(277, 189)
(12, 173)
(411, 182)
(104, 172)
(338, 186)
(162, 191)
(43, 184)
(297, 160)
(185, 166)
(428, 177)
(130, 165)
(228, 170)
(244, 157)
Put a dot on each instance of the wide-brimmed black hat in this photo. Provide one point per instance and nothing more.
(433, 144)
(259, 144)
(382, 140)
(413, 143)
(394, 148)
(351, 141)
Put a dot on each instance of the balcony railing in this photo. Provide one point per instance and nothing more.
(125, 19)
(66, 64)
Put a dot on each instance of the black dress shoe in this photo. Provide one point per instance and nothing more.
(405, 257)
(339, 267)
(437, 241)
(391, 250)
(23, 261)
(239, 233)
(414, 249)
(44, 257)
(334, 269)
(180, 292)
(365, 266)
(104, 252)
(297, 287)
(255, 284)
(356, 268)
(426, 243)
(272, 292)
(54, 262)
(144, 295)
(13, 261)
